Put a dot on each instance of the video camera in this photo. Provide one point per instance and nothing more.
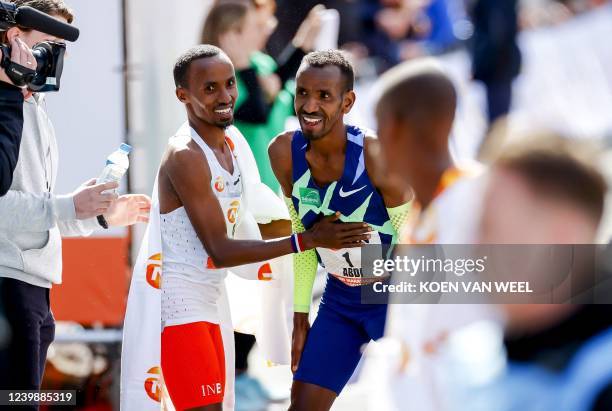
(49, 55)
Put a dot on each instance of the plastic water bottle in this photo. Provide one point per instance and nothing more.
(116, 165)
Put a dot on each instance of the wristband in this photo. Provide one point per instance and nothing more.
(102, 221)
(297, 243)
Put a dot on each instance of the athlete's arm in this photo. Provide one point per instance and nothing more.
(396, 194)
(305, 263)
(275, 229)
(189, 176)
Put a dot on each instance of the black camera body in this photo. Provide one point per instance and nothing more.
(49, 55)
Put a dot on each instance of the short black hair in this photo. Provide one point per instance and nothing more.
(336, 58)
(181, 67)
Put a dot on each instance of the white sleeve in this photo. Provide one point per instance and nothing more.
(78, 228)
(22, 211)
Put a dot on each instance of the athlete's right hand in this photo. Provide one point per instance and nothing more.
(331, 233)
(89, 200)
(301, 327)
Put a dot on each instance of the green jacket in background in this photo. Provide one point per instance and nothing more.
(259, 135)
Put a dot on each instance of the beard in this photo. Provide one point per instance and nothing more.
(314, 136)
(224, 124)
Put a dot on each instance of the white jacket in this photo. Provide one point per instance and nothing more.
(32, 218)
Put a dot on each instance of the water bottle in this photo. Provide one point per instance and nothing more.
(116, 165)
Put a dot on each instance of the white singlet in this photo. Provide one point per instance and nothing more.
(190, 283)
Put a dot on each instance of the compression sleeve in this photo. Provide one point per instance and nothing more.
(399, 215)
(304, 267)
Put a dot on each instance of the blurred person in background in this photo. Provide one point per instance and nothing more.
(546, 191)
(397, 30)
(496, 58)
(265, 100)
(542, 13)
(290, 15)
(33, 220)
(415, 114)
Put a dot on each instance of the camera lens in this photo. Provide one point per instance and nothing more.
(41, 54)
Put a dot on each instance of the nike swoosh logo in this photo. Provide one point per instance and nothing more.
(349, 193)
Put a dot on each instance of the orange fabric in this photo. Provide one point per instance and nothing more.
(193, 364)
(230, 143)
(448, 178)
(94, 281)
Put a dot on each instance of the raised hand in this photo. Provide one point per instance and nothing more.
(90, 199)
(128, 209)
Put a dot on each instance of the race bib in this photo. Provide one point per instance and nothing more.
(345, 263)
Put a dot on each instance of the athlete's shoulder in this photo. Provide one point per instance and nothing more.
(180, 142)
(281, 161)
(183, 155)
(280, 145)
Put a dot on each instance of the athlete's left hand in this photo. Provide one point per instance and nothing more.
(128, 209)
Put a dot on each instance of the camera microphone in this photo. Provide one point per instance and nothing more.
(29, 17)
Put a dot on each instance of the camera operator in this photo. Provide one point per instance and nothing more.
(33, 219)
(11, 114)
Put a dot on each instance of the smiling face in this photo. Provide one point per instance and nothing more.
(210, 93)
(321, 100)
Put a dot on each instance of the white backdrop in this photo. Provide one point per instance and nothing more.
(158, 32)
(88, 111)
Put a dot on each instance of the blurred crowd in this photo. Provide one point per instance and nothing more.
(378, 34)
(395, 30)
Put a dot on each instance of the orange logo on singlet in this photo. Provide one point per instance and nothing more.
(219, 184)
(154, 271)
(265, 272)
(152, 385)
(232, 212)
